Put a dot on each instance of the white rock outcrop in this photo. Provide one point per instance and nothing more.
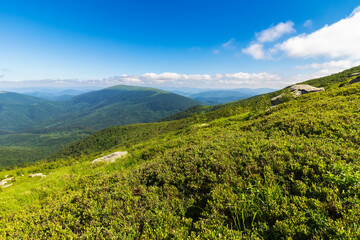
(300, 89)
(296, 90)
(354, 74)
(37, 175)
(5, 181)
(111, 157)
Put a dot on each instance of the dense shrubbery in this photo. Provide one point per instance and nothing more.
(289, 172)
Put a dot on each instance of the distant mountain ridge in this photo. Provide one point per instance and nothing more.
(119, 104)
(32, 128)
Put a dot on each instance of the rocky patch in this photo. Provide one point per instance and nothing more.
(37, 175)
(301, 89)
(296, 90)
(4, 183)
(354, 74)
(111, 157)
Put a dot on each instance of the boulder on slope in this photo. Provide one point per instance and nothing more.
(296, 90)
(37, 175)
(276, 100)
(5, 181)
(301, 89)
(354, 74)
(111, 157)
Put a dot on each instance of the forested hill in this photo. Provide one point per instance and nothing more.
(32, 128)
(19, 111)
(243, 171)
(120, 105)
(112, 106)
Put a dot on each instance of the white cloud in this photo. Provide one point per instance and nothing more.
(338, 65)
(340, 40)
(326, 68)
(166, 79)
(356, 10)
(273, 33)
(308, 23)
(255, 50)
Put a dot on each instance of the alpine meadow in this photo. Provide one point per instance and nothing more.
(142, 120)
(243, 170)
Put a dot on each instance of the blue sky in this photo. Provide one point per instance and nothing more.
(210, 44)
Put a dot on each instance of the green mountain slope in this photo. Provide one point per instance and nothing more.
(243, 171)
(19, 111)
(52, 125)
(120, 105)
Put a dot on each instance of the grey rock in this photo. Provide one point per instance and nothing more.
(8, 185)
(301, 89)
(111, 157)
(276, 100)
(37, 175)
(4, 182)
(354, 74)
(296, 90)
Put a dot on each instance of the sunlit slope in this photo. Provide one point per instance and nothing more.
(291, 171)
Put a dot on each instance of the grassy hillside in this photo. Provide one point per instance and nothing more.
(241, 172)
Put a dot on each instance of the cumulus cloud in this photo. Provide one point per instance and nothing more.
(356, 10)
(229, 44)
(341, 64)
(255, 50)
(340, 40)
(166, 79)
(274, 33)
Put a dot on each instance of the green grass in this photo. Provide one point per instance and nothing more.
(289, 172)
